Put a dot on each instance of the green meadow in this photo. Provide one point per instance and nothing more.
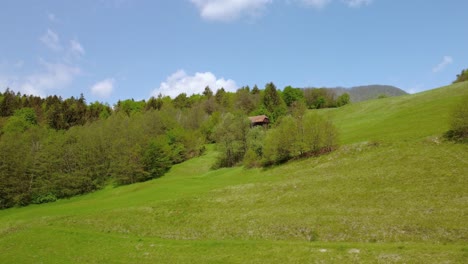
(394, 192)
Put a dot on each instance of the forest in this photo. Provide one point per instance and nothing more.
(53, 148)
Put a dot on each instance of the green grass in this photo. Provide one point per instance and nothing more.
(393, 193)
(402, 118)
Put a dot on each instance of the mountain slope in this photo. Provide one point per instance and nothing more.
(394, 192)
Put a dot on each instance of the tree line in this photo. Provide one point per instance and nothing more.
(462, 77)
(52, 148)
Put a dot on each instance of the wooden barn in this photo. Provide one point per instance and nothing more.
(261, 120)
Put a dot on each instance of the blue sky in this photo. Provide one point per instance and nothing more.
(120, 49)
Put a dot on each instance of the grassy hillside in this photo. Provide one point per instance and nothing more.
(393, 193)
(402, 118)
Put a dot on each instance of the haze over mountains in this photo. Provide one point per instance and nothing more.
(368, 92)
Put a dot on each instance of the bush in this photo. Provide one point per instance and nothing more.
(462, 77)
(459, 122)
(157, 158)
(44, 198)
(299, 137)
(255, 142)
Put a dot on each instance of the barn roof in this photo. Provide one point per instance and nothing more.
(258, 119)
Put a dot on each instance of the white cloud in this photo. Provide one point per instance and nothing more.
(447, 60)
(179, 82)
(51, 76)
(51, 40)
(51, 17)
(316, 3)
(357, 3)
(76, 48)
(103, 89)
(47, 75)
(228, 10)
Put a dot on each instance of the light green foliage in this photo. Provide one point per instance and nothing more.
(21, 120)
(279, 142)
(301, 136)
(130, 106)
(255, 138)
(27, 114)
(291, 95)
(15, 125)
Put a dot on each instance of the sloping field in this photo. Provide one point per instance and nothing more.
(393, 193)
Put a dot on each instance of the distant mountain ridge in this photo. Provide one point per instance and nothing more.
(368, 92)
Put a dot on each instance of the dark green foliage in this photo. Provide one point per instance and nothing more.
(255, 90)
(459, 122)
(45, 198)
(245, 101)
(157, 157)
(343, 99)
(255, 143)
(317, 98)
(291, 95)
(208, 93)
(98, 111)
(155, 103)
(9, 103)
(208, 127)
(223, 98)
(271, 97)
(54, 111)
(462, 77)
(231, 139)
(273, 104)
(181, 101)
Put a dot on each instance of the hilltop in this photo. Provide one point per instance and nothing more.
(369, 92)
(393, 192)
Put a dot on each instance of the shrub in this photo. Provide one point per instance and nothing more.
(44, 198)
(231, 139)
(459, 122)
